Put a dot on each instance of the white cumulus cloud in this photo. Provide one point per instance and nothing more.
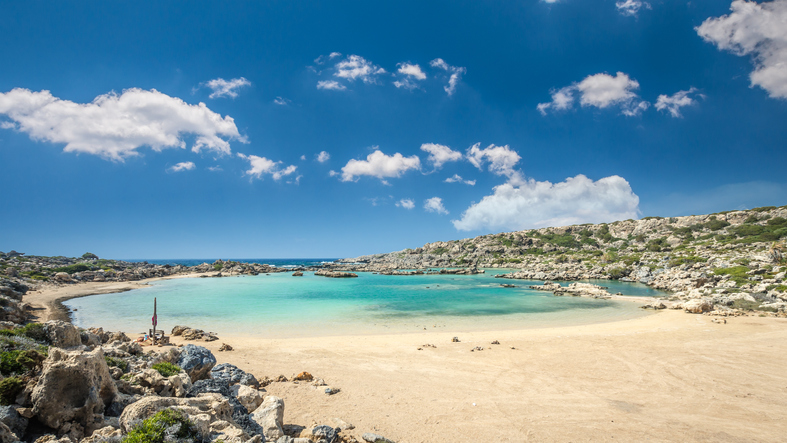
(114, 126)
(631, 7)
(440, 154)
(673, 103)
(455, 74)
(501, 159)
(355, 67)
(330, 85)
(182, 166)
(410, 73)
(323, 157)
(600, 90)
(458, 179)
(226, 88)
(435, 204)
(261, 165)
(406, 203)
(759, 29)
(535, 204)
(380, 165)
(281, 101)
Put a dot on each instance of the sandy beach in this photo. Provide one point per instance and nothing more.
(670, 376)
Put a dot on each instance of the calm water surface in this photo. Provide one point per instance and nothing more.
(280, 305)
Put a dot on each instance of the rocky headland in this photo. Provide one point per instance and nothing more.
(730, 261)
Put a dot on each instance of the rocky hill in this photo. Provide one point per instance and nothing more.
(733, 252)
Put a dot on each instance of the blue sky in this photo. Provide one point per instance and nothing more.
(195, 129)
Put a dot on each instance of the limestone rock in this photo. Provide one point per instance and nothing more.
(178, 330)
(62, 277)
(305, 376)
(232, 374)
(203, 410)
(73, 390)
(7, 435)
(11, 418)
(249, 397)
(322, 434)
(270, 416)
(196, 361)
(103, 435)
(62, 334)
(374, 438)
(697, 306)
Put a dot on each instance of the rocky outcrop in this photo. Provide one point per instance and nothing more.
(231, 374)
(62, 334)
(196, 361)
(270, 417)
(335, 274)
(73, 391)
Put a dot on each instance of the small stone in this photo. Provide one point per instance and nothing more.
(495, 342)
(331, 391)
(304, 376)
(455, 339)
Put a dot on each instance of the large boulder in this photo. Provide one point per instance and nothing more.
(239, 412)
(232, 374)
(270, 417)
(203, 410)
(73, 390)
(697, 306)
(196, 361)
(62, 334)
(177, 385)
(250, 398)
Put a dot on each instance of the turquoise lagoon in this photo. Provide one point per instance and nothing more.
(280, 305)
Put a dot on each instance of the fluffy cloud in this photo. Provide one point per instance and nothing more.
(631, 7)
(262, 165)
(599, 90)
(330, 85)
(673, 103)
(536, 204)
(759, 29)
(440, 154)
(502, 159)
(281, 101)
(182, 166)
(380, 165)
(406, 203)
(323, 157)
(114, 126)
(458, 179)
(410, 73)
(455, 72)
(435, 204)
(355, 67)
(226, 88)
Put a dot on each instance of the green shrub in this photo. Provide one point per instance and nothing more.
(113, 362)
(166, 369)
(736, 273)
(715, 224)
(19, 362)
(89, 256)
(778, 288)
(440, 251)
(33, 331)
(562, 240)
(9, 389)
(657, 245)
(764, 209)
(71, 269)
(748, 230)
(629, 260)
(616, 273)
(156, 428)
(218, 266)
(689, 260)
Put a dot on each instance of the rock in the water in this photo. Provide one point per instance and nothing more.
(73, 390)
(232, 374)
(196, 361)
(374, 438)
(297, 274)
(270, 416)
(62, 334)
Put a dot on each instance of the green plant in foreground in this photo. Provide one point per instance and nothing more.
(162, 427)
(116, 363)
(9, 389)
(166, 369)
(19, 362)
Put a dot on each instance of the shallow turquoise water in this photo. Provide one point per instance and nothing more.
(280, 305)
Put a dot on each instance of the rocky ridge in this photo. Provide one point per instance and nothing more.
(732, 260)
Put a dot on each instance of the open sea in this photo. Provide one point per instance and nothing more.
(281, 306)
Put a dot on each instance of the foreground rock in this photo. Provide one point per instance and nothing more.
(73, 391)
(196, 361)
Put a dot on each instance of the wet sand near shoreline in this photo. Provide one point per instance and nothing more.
(670, 376)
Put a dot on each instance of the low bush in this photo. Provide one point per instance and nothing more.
(71, 269)
(19, 362)
(9, 389)
(113, 362)
(165, 426)
(166, 369)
